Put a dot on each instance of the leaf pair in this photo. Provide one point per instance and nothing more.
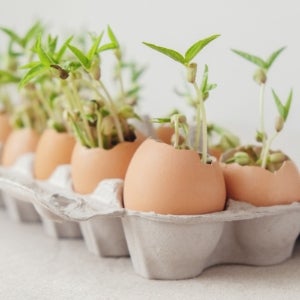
(47, 58)
(283, 109)
(29, 35)
(7, 77)
(86, 59)
(189, 55)
(264, 64)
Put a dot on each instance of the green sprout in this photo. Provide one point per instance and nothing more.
(201, 89)
(28, 111)
(266, 158)
(97, 117)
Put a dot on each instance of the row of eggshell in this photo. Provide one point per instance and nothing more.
(157, 177)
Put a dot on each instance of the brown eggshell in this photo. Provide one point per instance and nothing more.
(169, 181)
(5, 128)
(215, 152)
(90, 166)
(53, 149)
(164, 134)
(261, 187)
(19, 142)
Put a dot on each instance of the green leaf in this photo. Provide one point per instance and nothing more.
(6, 77)
(197, 47)
(35, 72)
(94, 49)
(43, 56)
(108, 46)
(273, 57)
(204, 79)
(211, 86)
(136, 74)
(62, 49)
(13, 36)
(288, 103)
(85, 62)
(279, 105)
(52, 43)
(168, 52)
(133, 91)
(252, 58)
(112, 37)
(72, 66)
(283, 109)
(32, 32)
(161, 120)
(30, 65)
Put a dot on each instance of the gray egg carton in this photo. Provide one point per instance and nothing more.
(18, 209)
(163, 246)
(2, 205)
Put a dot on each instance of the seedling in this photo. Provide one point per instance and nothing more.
(202, 88)
(97, 117)
(265, 159)
(28, 112)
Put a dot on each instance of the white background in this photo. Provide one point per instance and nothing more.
(256, 26)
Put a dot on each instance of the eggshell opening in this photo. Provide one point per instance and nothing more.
(90, 166)
(169, 181)
(53, 149)
(261, 187)
(19, 142)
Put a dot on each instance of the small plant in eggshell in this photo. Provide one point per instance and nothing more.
(97, 117)
(255, 173)
(201, 89)
(177, 179)
(57, 142)
(263, 156)
(27, 116)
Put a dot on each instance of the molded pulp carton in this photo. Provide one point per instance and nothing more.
(20, 209)
(165, 246)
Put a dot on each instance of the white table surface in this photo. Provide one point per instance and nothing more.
(34, 266)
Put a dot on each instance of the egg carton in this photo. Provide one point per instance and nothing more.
(66, 214)
(2, 204)
(165, 246)
(19, 209)
(20, 206)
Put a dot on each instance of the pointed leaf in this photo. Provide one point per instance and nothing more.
(288, 104)
(273, 57)
(211, 86)
(161, 120)
(133, 91)
(30, 65)
(136, 74)
(106, 47)
(279, 105)
(85, 62)
(112, 36)
(52, 43)
(252, 58)
(197, 47)
(14, 37)
(6, 77)
(36, 29)
(36, 71)
(45, 59)
(94, 49)
(168, 52)
(62, 49)
(204, 79)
